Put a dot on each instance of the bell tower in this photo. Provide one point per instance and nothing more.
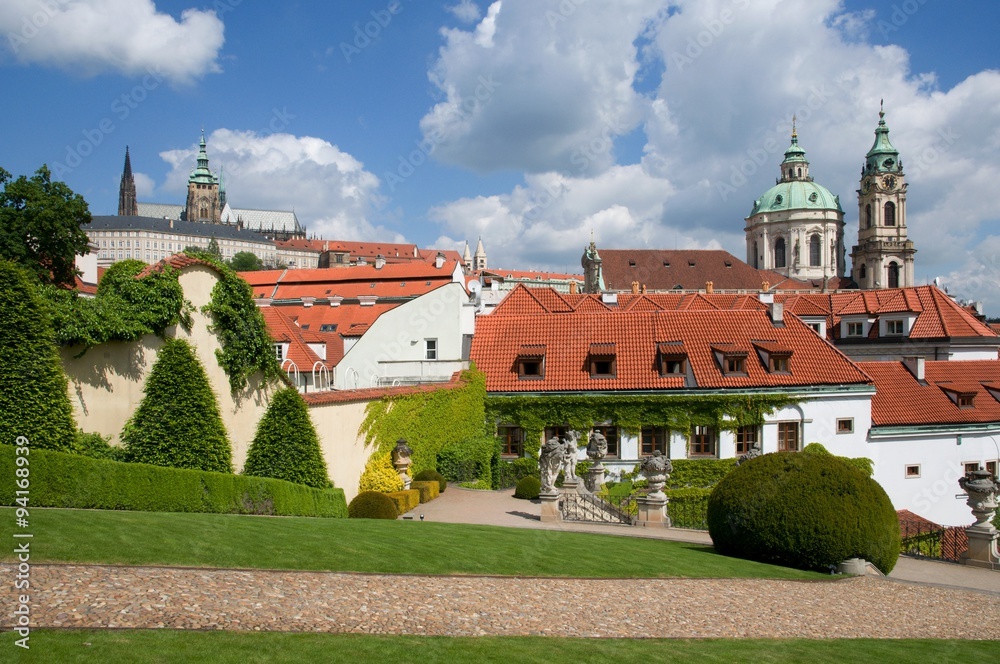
(203, 191)
(883, 257)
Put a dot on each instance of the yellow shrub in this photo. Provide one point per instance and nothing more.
(379, 475)
(428, 490)
(405, 500)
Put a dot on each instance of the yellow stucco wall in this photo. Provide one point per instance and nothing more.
(106, 382)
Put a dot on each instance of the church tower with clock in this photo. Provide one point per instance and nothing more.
(883, 257)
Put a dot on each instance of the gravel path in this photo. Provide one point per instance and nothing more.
(95, 596)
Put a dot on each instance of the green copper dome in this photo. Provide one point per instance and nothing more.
(882, 158)
(201, 174)
(796, 195)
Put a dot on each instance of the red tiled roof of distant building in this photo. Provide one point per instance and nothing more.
(522, 319)
(83, 288)
(914, 524)
(687, 269)
(176, 261)
(901, 400)
(528, 275)
(373, 393)
(391, 280)
(283, 330)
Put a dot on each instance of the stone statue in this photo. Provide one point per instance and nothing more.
(569, 454)
(550, 459)
(753, 453)
(656, 469)
(597, 448)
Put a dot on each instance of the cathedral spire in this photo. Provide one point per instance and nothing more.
(795, 166)
(127, 205)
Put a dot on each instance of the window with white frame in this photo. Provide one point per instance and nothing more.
(430, 349)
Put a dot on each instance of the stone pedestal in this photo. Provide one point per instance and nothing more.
(550, 506)
(595, 478)
(570, 484)
(982, 550)
(653, 512)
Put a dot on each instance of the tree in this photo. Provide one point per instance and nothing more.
(34, 399)
(178, 424)
(286, 446)
(40, 225)
(245, 261)
(213, 248)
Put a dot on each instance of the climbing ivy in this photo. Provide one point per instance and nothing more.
(239, 325)
(630, 412)
(429, 421)
(126, 307)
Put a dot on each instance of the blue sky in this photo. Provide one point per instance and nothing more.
(529, 122)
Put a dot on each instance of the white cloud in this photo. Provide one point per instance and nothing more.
(465, 11)
(715, 127)
(144, 186)
(88, 37)
(534, 83)
(330, 191)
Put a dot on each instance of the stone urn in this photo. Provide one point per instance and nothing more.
(982, 489)
(656, 469)
(401, 460)
(597, 449)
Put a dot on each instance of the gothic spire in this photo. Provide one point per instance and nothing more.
(127, 205)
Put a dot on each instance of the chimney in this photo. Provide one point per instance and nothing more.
(777, 311)
(709, 287)
(643, 289)
(573, 288)
(765, 286)
(915, 365)
(439, 260)
(171, 223)
(635, 288)
(379, 262)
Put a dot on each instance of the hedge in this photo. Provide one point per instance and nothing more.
(507, 473)
(59, 479)
(286, 446)
(469, 461)
(405, 500)
(429, 490)
(698, 473)
(688, 508)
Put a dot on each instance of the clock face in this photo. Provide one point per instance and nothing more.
(889, 182)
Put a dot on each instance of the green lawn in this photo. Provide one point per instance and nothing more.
(362, 545)
(251, 647)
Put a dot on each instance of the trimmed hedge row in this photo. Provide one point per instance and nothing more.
(469, 461)
(698, 473)
(405, 500)
(429, 490)
(70, 480)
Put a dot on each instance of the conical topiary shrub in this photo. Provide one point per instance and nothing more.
(286, 446)
(34, 399)
(178, 424)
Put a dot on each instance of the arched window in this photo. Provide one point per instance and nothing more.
(893, 275)
(779, 252)
(890, 214)
(815, 251)
(862, 273)
(798, 172)
(755, 255)
(868, 216)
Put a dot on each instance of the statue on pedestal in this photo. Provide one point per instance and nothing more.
(570, 455)
(656, 469)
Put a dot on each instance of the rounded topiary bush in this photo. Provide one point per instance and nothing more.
(528, 488)
(372, 505)
(432, 476)
(806, 511)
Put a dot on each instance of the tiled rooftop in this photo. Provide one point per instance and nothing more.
(901, 400)
(569, 334)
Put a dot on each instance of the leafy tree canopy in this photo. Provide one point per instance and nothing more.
(286, 446)
(245, 261)
(40, 225)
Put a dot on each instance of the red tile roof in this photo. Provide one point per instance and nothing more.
(901, 400)
(687, 269)
(402, 280)
(521, 319)
(373, 393)
(282, 329)
(176, 261)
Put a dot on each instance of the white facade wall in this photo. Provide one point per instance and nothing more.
(395, 348)
(941, 456)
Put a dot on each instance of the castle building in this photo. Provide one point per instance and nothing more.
(883, 257)
(796, 228)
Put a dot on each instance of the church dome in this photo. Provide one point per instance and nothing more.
(796, 195)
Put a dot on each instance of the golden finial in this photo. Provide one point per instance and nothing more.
(794, 133)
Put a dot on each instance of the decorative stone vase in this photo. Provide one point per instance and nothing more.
(401, 460)
(982, 490)
(656, 469)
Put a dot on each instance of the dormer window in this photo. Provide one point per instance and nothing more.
(602, 360)
(966, 400)
(894, 327)
(855, 329)
(732, 359)
(777, 358)
(962, 398)
(779, 364)
(672, 359)
(530, 364)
